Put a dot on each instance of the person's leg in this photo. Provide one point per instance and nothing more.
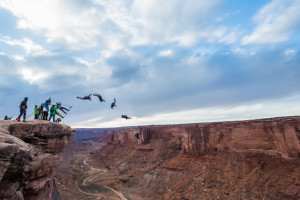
(50, 117)
(54, 118)
(63, 108)
(24, 116)
(45, 115)
(21, 112)
(63, 111)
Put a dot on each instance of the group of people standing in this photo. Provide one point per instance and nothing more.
(42, 112)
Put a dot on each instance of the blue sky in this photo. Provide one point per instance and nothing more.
(164, 61)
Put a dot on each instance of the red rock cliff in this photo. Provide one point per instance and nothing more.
(252, 159)
(28, 152)
(277, 136)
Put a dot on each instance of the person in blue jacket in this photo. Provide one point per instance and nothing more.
(45, 110)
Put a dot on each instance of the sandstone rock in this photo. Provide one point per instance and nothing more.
(28, 152)
(276, 137)
(235, 160)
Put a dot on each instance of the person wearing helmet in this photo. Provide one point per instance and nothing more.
(23, 107)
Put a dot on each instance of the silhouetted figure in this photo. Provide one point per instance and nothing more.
(99, 97)
(113, 104)
(85, 98)
(23, 107)
(7, 118)
(60, 107)
(125, 117)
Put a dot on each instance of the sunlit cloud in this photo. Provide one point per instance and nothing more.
(32, 76)
(276, 22)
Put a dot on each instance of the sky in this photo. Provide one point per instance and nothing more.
(165, 62)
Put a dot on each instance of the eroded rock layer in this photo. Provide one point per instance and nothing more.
(28, 152)
(252, 159)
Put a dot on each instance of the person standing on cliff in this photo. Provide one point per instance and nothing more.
(36, 112)
(23, 107)
(45, 110)
(52, 112)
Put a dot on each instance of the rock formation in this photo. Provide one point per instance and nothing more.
(252, 159)
(28, 152)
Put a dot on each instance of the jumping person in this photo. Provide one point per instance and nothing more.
(99, 97)
(85, 98)
(125, 117)
(58, 105)
(23, 107)
(113, 104)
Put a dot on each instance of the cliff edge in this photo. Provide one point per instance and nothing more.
(28, 152)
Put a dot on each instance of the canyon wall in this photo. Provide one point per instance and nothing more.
(250, 159)
(277, 136)
(28, 152)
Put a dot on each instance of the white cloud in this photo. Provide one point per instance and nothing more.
(27, 44)
(290, 54)
(114, 24)
(17, 57)
(165, 53)
(276, 22)
(33, 76)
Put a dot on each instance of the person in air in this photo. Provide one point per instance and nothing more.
(36, 112)
(23, 107)
(85, 98)
(52, 112)
(125, 117)
(99, 97)
(60, 107)
(113, 104)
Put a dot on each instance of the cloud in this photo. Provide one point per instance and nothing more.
(116, 24)
(27, 44)
(276, 22)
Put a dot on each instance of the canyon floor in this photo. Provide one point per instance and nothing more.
(115, 166)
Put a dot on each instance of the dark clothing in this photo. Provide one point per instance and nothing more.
(62, 108)
(23, 107)
(51, 117)
(22, 112)
(113, 105)
(45, 115)
(23, 104)
(36, 116)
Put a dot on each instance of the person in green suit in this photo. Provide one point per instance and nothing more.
(36, 112)
(52, 112)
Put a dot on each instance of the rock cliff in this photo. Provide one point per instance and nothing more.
(28, 152)
(251, 159)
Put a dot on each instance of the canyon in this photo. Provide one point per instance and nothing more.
(249, 159)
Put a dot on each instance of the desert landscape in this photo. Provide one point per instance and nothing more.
(252, 159)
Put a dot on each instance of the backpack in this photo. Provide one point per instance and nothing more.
(41, 108)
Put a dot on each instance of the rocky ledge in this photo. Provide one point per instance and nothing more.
(28, 152)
